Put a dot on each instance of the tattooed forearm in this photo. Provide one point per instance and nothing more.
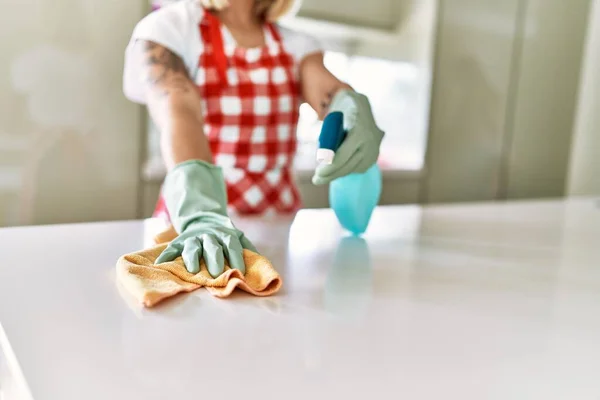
(164, 70)
(174, 104)
(319, 86)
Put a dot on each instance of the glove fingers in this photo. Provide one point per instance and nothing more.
(192, 252)
(213, 255)
(234, 253)
(343, 155)
(349, 167)
(346, 104)
(169, 254)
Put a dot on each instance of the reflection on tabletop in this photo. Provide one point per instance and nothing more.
(349, 280)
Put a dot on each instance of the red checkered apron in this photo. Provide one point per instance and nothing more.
(251, 101)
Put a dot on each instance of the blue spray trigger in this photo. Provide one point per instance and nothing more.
(331, 137)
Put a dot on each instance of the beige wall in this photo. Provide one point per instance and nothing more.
(584, 174)
(69, 140)
(383, 14)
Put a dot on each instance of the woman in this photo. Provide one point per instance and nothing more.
(224, 84)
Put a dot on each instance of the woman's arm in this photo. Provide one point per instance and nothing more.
(319, 86)
(325, 93)
(174, 105)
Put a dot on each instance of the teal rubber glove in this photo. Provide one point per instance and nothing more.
(195, 196)
(360, 149)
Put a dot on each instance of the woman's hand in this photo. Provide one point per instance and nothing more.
(325, 93)
(196, 199)
(360, 150)
(194, 190)
(213, 239)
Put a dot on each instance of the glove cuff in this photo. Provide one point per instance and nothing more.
(345, 102)
(194, 189)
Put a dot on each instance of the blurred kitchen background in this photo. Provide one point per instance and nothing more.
(481, 100)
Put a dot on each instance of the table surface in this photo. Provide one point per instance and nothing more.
(480, 301)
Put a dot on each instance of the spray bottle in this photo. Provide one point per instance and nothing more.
(353, 197)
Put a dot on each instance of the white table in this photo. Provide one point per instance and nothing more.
(448, 302)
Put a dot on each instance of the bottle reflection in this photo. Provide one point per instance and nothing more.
(349, 281)
(346, 294)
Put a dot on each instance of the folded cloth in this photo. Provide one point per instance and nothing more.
(150, 283)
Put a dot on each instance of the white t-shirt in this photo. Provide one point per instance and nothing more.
(176, 27)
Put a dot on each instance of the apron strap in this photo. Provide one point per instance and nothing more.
(218, 49)
(275, 33)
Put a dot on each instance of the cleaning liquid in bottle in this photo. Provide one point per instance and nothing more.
(353, 197)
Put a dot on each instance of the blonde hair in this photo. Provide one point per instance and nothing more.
(269, 10)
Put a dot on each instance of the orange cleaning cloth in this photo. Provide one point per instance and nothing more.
(150, 283)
